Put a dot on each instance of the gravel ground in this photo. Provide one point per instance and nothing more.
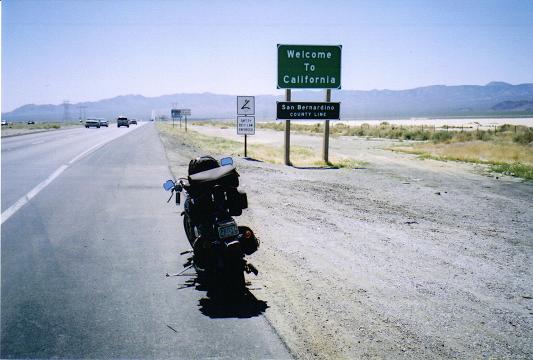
(404, 258)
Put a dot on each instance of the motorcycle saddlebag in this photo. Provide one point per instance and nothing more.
(236, 201)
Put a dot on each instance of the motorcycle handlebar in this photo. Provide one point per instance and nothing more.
(177, 188)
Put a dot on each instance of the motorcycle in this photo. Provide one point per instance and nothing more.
(218, 244)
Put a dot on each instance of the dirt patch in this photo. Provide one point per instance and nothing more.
(405, 258)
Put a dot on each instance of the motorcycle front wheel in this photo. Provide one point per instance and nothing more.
(189, 229)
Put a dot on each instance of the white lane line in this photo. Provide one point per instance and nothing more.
(14, 208)
(92, 148)
(10, 211)
(31, 194)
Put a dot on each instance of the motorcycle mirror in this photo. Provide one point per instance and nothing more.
(226, 161)
(168, 185)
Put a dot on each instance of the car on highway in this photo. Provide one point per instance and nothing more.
(123, 121)
(104, 122)
(4, 122)
(92, 123)
(133, 121)
(31, 122)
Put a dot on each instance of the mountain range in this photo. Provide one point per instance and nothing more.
(493, 99)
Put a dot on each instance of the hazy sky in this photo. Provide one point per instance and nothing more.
(89, 50)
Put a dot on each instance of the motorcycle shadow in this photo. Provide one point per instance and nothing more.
(241, 306)
(218, 304)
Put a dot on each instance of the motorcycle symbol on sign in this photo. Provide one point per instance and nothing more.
(245, 105)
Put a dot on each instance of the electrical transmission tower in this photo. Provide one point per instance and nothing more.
(66, 110)
(82, 112)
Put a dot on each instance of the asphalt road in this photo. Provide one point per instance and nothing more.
(84, 257)
(30, 159)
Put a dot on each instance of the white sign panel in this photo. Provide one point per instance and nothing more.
(245, 105)
(245, 125)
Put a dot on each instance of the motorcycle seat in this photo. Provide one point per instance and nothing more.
(212, 174)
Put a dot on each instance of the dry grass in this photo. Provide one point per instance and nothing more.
(37, 126)
(515, 169)
(300, 155)
(506, 148)
(504, 157)
(223, 146)
(476, 151)
(509, 133)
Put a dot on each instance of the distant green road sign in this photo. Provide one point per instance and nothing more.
(309, 66)
(175, 113)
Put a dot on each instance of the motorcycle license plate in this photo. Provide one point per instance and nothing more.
(227, 230)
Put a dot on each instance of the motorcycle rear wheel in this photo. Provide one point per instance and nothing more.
(234, 280)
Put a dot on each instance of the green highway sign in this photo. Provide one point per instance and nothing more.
(175, 113)
(309, 66)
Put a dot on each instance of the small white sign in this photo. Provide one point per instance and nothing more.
(245, 105)
(245, 125)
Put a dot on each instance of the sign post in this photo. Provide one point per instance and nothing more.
(325, 148)
(287, 139)
(309, 67)
(178, 114)
(186, 112)
(245, 124)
